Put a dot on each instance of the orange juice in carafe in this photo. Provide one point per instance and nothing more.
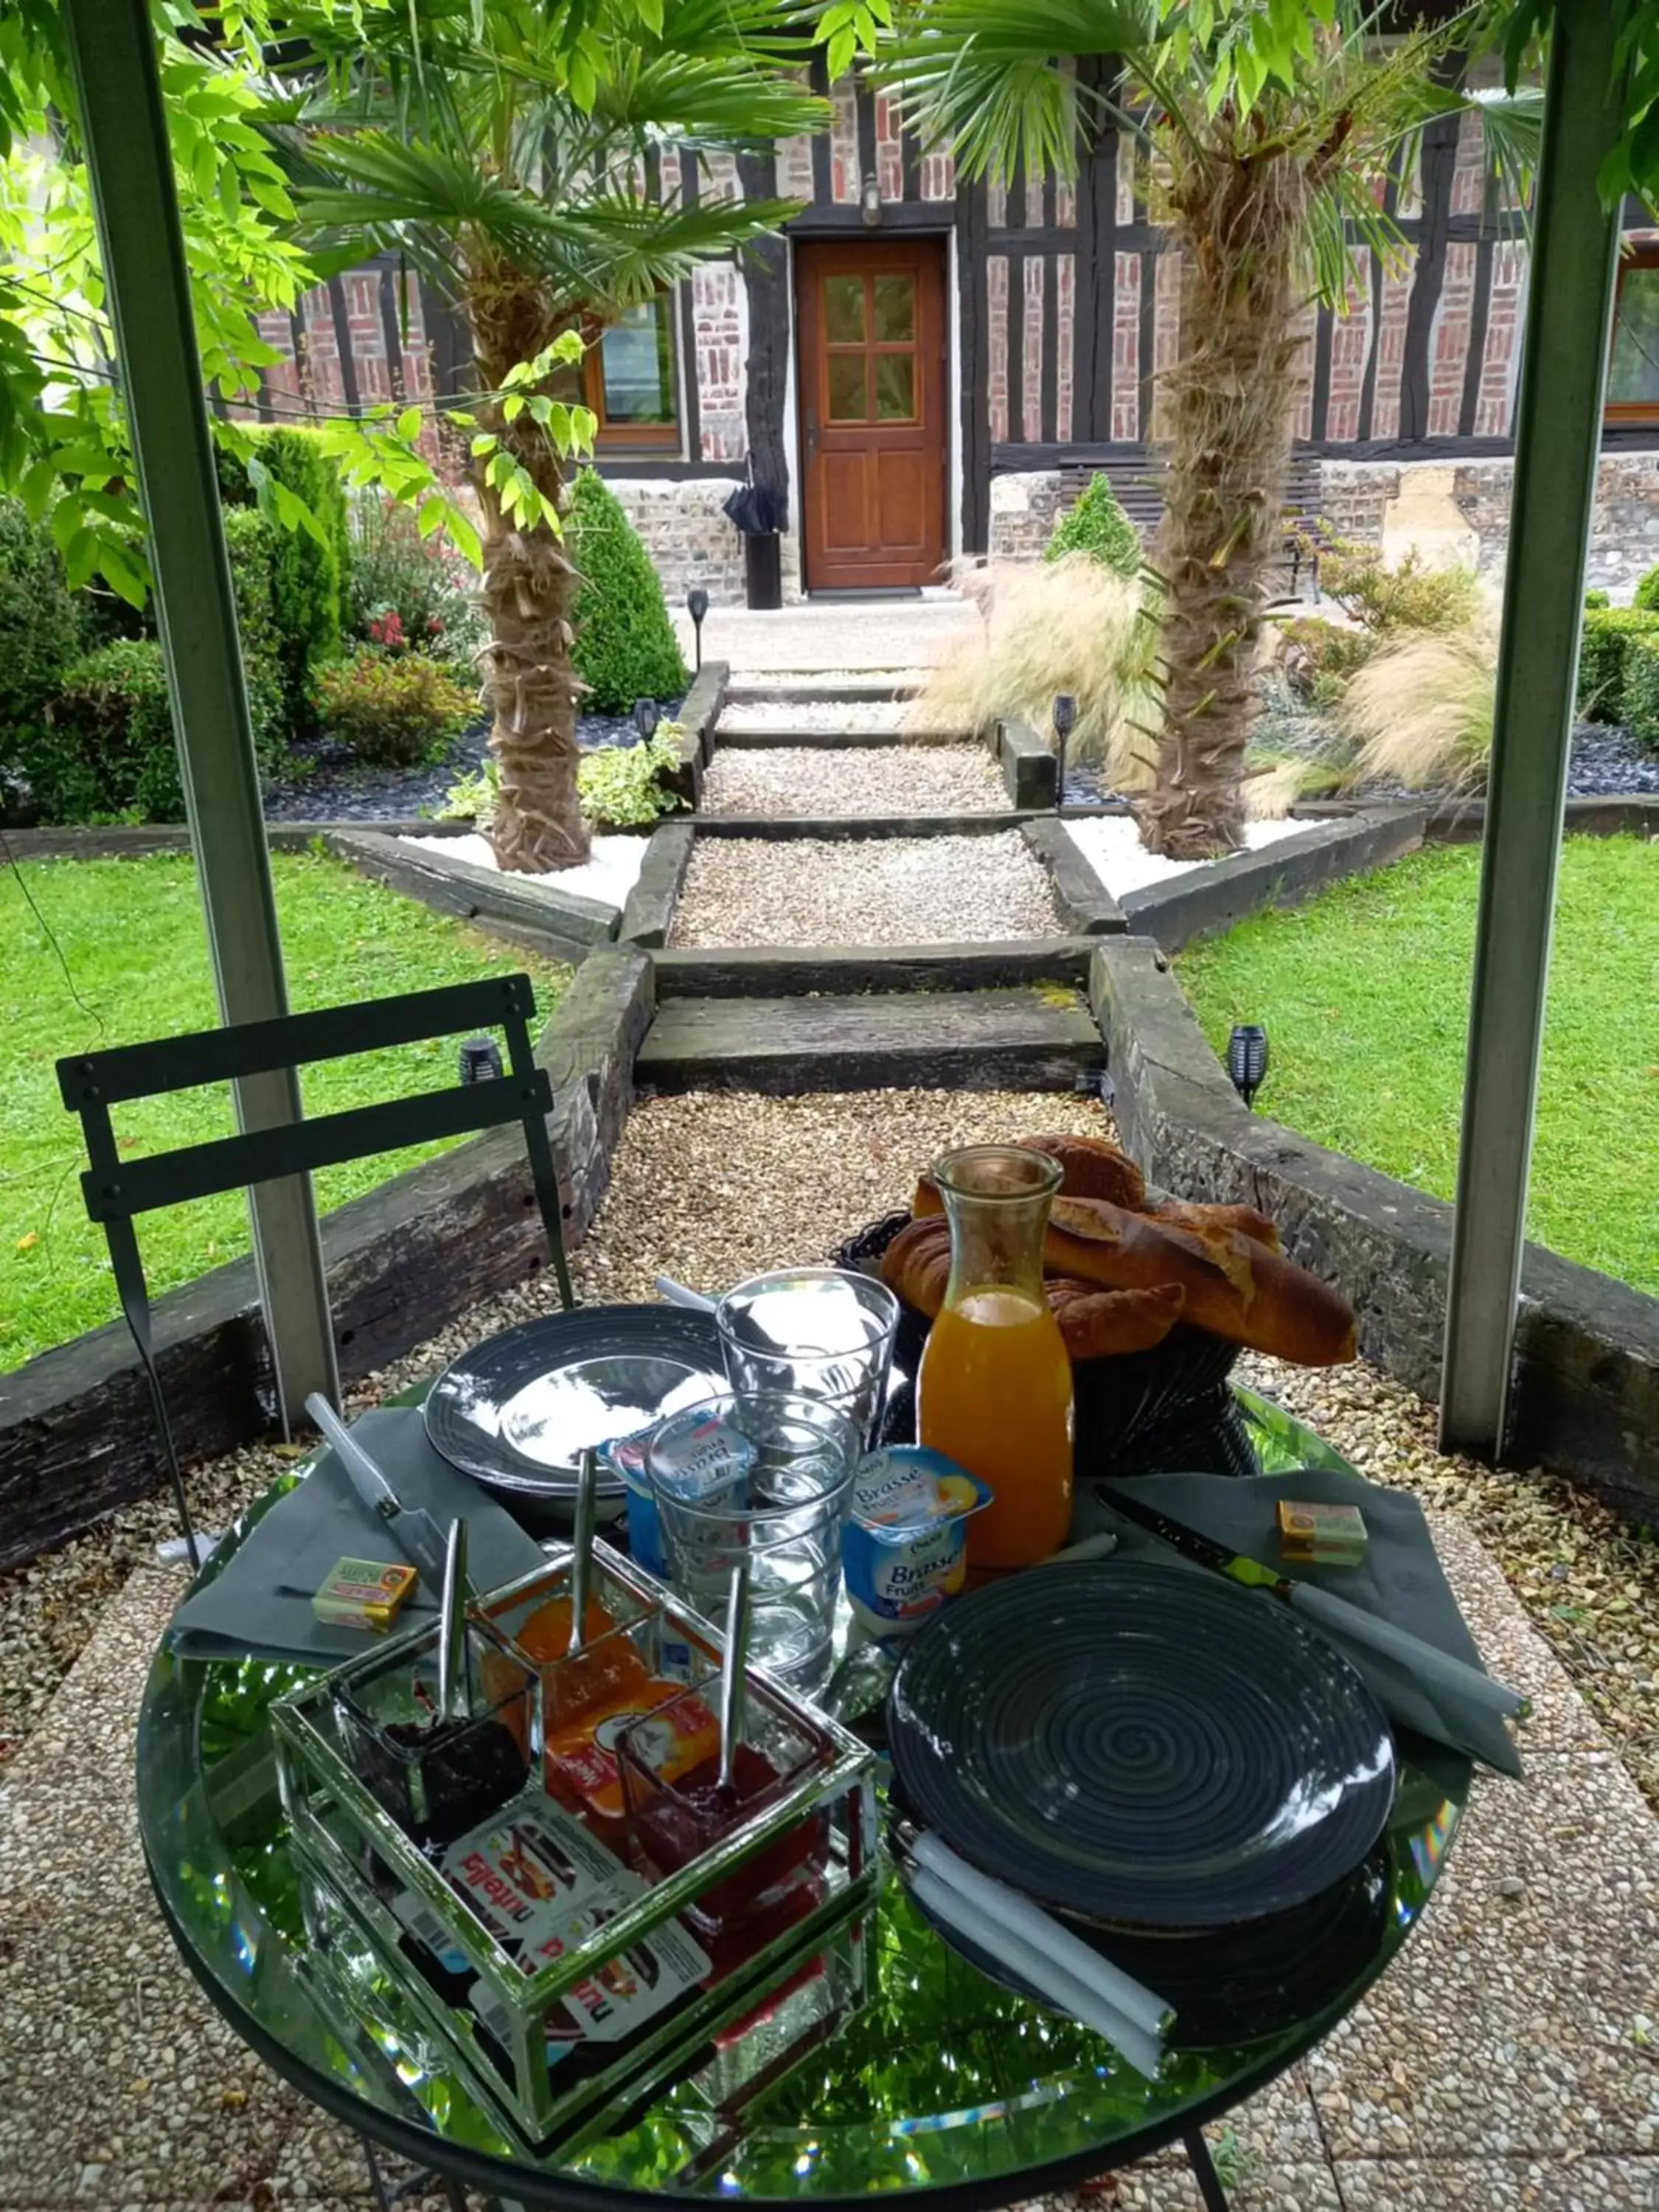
(994, 1389)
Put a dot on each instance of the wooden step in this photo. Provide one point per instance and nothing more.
(833, 741)
(771, 689)
(1031, 1038)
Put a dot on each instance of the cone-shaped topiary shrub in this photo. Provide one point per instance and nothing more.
(625, 645)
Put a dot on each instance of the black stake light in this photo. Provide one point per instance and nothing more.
(480, 1057)
(646, 715)
(697, 605)
(1065, 723)
(1247, 1059)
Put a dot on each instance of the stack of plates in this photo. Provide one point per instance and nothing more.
(517, 1411)
(1142, 1747)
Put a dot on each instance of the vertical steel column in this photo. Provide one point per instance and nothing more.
(1558, 438)
(144, 268)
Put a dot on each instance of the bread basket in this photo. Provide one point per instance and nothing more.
(1169, 1410)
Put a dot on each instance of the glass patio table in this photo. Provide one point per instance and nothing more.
(940, 2081)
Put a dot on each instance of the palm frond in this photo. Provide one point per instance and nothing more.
(987, 75)
(631, 249)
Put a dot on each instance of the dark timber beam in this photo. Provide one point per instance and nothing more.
(1558, 436)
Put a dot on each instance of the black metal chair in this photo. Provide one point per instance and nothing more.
(118, 1189)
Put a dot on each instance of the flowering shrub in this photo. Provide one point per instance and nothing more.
(408, 593)
(398, 707)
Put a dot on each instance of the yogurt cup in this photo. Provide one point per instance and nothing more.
(904, 1551)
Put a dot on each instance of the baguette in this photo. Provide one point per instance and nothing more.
(1234, 1287)
(1095, 1324)
(1244, 1219)
(1091, 1167)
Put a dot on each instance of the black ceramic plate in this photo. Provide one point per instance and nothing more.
(1148, 1747)
(518, 1410)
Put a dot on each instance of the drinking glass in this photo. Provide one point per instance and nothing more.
(764, 1477)
(822, 1333)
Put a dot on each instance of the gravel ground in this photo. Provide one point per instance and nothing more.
(806, 714)
(903, 780)
(878, 890)
(1606, 762)
(1499, 2065)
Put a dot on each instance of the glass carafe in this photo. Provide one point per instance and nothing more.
(994, 1389)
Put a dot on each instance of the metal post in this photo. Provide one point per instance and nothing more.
(131, 166)
(1558, 438)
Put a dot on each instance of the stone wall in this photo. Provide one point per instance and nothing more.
(1382, 502)
(689, 539)
(1023, 508)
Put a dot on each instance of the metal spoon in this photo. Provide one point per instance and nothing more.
(733, 1683)
(454, 1689)
(582, 1551)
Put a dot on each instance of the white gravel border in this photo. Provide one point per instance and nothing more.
(1111, 844)
(608, 875)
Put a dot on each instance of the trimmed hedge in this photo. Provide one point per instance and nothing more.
(308, 579)
(104, 751)
(1640, 711)
(1603, 644)
(625, 645)
(42, 635)
(1647, 593)
(1096, 525)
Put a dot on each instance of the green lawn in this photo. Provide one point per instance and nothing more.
(1364, 994)
(131, 937)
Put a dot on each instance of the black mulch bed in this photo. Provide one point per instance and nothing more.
(1607, 763)
(331, 785)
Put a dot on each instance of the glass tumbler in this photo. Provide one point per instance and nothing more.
(766, 1478)
(823, 1333)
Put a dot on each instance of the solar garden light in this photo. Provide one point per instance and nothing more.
(1247, 1059)
(697, 605)
(481, 1058)
(1065, 723)
(646, 715)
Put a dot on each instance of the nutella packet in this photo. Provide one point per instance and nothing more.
(542, 1886)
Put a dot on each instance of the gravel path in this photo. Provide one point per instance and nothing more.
(901, 779)
(813, 715)
(876, 890)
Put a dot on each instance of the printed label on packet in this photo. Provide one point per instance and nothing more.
(522, 1870)
(904, 1549)
(616, 1997)
(542, 1885)
(705, 1461)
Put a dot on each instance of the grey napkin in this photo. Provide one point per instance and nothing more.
(1400, 1579)
(258, 1602)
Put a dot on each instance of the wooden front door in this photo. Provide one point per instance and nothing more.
(873, 436)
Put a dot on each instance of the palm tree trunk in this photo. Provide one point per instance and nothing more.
(1228, 404)
(529, 591)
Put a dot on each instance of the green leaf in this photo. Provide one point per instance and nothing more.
(433, 509)
(409, 424)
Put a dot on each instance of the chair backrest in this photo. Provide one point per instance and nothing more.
(116, 1190)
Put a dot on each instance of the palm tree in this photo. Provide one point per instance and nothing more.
(1270, 127)
(515, 162)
